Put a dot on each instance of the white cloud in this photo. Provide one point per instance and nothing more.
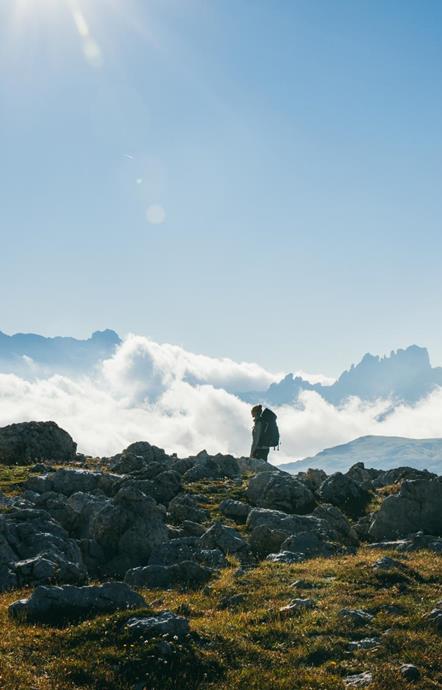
(174, 399)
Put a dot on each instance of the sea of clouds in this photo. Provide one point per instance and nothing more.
(185, 402)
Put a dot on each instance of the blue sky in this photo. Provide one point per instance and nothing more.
(294, 148)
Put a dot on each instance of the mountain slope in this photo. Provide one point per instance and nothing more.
(378, 452)
(24, 353)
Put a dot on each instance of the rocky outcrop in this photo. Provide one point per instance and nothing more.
(280, 491)
(344, 492)
(186, 574)
(27, 442)
(416, 507)
(60, 604)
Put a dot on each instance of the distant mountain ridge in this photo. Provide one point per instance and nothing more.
(24, 353)
(404, 376)
(378, 452)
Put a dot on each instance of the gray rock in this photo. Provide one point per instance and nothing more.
(128, 528)
(60, 604)
(387, 563)
(416, 507)
(264, 540)
(184, 507)
(366, 643)
(166, 623)
(312, 478)
(296, 607)
(212, 467)
(410, 672)
(338, 526)
(235, 510)
(47, 569)
(227, 539)
(187, 574)
(356, 616)
(360, 680)
(280, 491)
(342, 491)
(24, 443)
(398, 474)
(187, 549)
(310, 544)
(414, 542)
(434, 618)
(285, 557)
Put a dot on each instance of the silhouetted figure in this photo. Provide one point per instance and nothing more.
(265, 433)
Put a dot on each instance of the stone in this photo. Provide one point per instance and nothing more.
(296, 607)
(166, 623)
(280, 491)
(27, 442)
(342, 491)
(265, 541)
(338, 526)
(128, 528)
(184, 507)
(285, 557)
(187, 549)
(60, 604)
(186, 574)
(227, 539)
(360, 680)
(356, 616)
(434, 618)
(416, 507)
(410, 672)
(235, 510)
(366, 643)
(312, 478)
(310, 544)
(387, 563)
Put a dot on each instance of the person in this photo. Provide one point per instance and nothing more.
(265, 433)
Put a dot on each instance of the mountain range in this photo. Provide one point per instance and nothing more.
(378, 452)
(28, 353)
(404, 376)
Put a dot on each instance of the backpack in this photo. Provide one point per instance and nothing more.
(269, 433)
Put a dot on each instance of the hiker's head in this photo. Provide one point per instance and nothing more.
(256, 411)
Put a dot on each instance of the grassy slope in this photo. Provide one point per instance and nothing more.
(250, 646)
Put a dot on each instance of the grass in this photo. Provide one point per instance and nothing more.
(12, 477)
(250, 646)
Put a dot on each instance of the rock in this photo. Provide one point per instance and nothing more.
(235, 510)
(410, 672)
(227, 539)
(416, 507)
(356, 616)
(304, 584)
(184, 507)
(128, 528)
(360, 680)
(264, 541)
(187, 574)
(343, 492)
(398, 474)
(285, 557)
(387, 563)
(366, 643)
(61, 604)
(212, 467)
(310, 544)
(192, 529)
(187, 549)
(280, 491)
(253, 465)
(31, 539)
(313, 478)
(24, 443)
(338, 526)
(296, 607)
(434, 618)
(166, 623)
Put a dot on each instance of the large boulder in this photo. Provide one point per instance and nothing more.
(26, 442)
(227, 539)
(187, 549)
(416, 507)
(206, 466)
(186, 574)
(61, 604)
(235, 510)
(399, 474)
(345, 493)
(128, 527)
(280, 491)
(35, 549)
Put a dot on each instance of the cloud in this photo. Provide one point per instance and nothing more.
(174, 399)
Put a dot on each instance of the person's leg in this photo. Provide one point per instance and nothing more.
(262, 453)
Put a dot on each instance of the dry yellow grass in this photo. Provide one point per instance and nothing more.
(250, 646)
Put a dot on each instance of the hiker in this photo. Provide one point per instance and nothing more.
(265, 434)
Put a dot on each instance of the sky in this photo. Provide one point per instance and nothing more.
(249, 179)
